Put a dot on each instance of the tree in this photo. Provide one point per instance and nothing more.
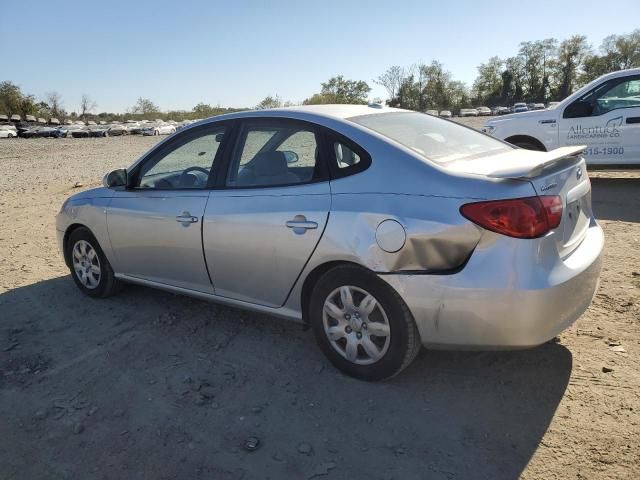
(340, 90)
(391, 80)
(534, 57)
(571, 56)
(144, 106)
(269, 102)
(10, 98)
(487, 88)
(54, 103)
(623, 50)
(87, 105)
(617, 52)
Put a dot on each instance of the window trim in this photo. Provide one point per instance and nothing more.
(182, 138)
(615, 82)
(321, 171)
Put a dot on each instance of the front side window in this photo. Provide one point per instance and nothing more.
(433, 138)
(612, 95)
(186, 166)
(272, 154)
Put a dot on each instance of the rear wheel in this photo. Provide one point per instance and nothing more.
(362, 325)
(90, 269)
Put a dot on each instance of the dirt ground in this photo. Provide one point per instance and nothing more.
(153, 385)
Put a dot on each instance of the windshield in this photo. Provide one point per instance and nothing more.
(438, 140)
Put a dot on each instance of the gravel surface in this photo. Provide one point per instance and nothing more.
(153, 385)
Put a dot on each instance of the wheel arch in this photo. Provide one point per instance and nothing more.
(514, 139)
(65, 241)
(312, 278)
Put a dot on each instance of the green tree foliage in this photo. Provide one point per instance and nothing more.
(618, 52)
(340, 90)
(427, 87)
(488, 85)
(569, 64)
(145, 106)
(269, 102)
(10, 98)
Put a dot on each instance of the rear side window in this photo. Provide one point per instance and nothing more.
(345, 157)
(435, 139)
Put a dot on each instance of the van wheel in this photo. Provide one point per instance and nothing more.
(527, 145)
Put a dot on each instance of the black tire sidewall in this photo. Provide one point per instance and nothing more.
(396, 311)
(106, 273)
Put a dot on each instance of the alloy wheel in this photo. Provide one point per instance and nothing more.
(356, 325)
(86, 264)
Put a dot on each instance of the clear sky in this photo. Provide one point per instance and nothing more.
(234, 53)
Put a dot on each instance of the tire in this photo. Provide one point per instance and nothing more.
(393, 352)
(527, 145)
(98, 285)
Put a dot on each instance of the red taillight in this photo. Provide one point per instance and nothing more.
(529, 217)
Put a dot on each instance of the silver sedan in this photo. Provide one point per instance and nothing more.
(382, 229)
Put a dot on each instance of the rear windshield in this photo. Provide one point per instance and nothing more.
(435, 139)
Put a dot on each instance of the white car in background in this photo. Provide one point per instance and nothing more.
(159, 129)
(445, 114)
(8, 131)
(604, 116)
(483, 111)
(468, 112)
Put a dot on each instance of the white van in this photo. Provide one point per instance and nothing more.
(603, 115)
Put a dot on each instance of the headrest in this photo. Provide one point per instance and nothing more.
(269, 164)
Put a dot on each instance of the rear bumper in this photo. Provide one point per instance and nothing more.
(507, 296)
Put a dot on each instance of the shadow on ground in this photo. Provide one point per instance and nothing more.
(616, 198)
(151, 385)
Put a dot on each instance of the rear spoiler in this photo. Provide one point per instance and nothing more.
(533, 167)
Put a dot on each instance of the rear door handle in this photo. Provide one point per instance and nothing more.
(300, 224)
(186, 218)
(633, 119)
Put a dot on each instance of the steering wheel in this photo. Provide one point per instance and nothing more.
(184, 180)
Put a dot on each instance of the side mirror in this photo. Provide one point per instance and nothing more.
(292, 157)
(578, 109)
(115, 178)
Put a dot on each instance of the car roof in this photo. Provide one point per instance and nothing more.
(339, 112)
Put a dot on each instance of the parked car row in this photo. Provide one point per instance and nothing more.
(486, 111)
(79, 129)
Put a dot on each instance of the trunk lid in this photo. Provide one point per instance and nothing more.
(568, 179)
(560, 172)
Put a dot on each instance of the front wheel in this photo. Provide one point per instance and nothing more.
(90, 269)
(362, 325)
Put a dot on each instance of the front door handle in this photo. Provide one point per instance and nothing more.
(633, 119)
(186, 218)
(300, 224)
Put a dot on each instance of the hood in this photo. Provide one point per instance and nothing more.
(98, 192)
(536, 114)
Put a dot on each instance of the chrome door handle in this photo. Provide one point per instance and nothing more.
(186, 218)
(300, 224)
